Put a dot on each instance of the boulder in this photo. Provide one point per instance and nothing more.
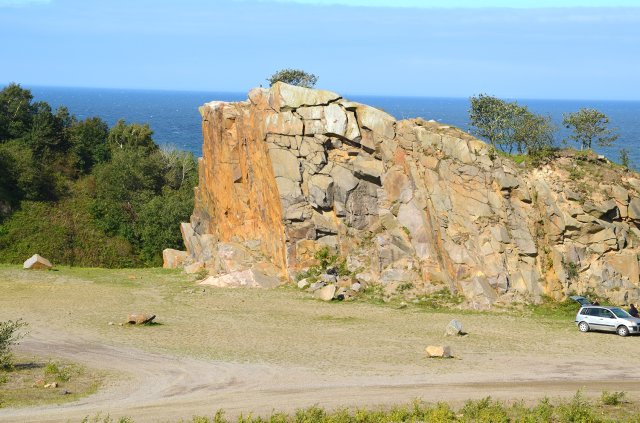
(285, 164)
(368, 167)
(250, 278)
(173, 259)
(453, 328)
(438, 351)
(325, 293)
(328, 278)
(634, 208)
(315, 286)
(284, 96)
(140, 318)
(321, 191)
(376, 120)
(37, 262)
(194, 268)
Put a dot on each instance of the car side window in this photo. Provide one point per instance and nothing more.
(606, 313)
(586, 311)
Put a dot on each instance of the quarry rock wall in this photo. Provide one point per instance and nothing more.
(293, 170)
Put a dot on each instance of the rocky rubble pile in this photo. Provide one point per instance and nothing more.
(292, 171)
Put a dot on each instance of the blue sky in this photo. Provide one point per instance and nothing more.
(574, 50)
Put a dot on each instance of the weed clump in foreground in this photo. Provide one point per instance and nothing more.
(9, 336)
(486, 410)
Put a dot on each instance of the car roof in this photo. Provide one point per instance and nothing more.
(592, 306)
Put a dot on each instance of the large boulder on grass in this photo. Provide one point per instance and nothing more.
(37, 262)
(173, 259)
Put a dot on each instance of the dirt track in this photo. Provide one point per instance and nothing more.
(348, 358)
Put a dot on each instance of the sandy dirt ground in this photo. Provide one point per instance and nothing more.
(259, 351)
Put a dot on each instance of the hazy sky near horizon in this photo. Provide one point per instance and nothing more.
(416, 48)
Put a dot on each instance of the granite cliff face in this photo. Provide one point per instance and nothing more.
(292, 170)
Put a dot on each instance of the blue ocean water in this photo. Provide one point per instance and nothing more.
(174, 117)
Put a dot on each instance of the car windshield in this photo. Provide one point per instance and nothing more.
(620, 312)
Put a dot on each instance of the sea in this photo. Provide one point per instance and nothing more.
(173, 115)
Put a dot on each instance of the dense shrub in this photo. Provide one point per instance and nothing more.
(82, 194)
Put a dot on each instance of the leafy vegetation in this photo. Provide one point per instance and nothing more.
(508, 126)
(294, 77)
(514, 130)
(624, 159)
(9, 336)
(84, 194)
(613, 398)
(589, 126)
(577, 409)
(326, 260)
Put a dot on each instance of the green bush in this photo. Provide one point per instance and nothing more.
(60, 374)
(9, 336)
(81, 193)
(612, 398)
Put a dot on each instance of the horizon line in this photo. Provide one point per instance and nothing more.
(344, 95)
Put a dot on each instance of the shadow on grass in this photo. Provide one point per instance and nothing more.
(26, 366)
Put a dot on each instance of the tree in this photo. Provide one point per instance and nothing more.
(493, 119)
(294, 77)
(589, 125)
(507, 125)
(133, 135)
(532, 133)
(180, 167)
(624, 158)
(88, 140)
(15, 111)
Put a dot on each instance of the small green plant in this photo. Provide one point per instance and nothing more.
(326, 260)
(99, 418)
(201, 274)
(577, 410)
(571, 269)
(612, 398)
(624, 158)
(575, 173)
(442, 298)
(9, 336)
(60, 374)
(493, 153)
(406, 286)
(484, 410)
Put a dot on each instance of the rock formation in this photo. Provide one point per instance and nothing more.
(292, 170)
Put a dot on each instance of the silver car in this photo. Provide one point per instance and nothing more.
(611, 319)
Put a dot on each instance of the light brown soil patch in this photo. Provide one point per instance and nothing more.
(260, 350)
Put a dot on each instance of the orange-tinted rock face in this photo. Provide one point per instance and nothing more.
(237, 198)
(294, 170)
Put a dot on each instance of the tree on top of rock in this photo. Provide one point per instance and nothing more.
(509, 126)
(589, 125)
(294, 77)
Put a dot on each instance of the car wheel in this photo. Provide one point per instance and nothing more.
(583, 327)
(623, 330)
